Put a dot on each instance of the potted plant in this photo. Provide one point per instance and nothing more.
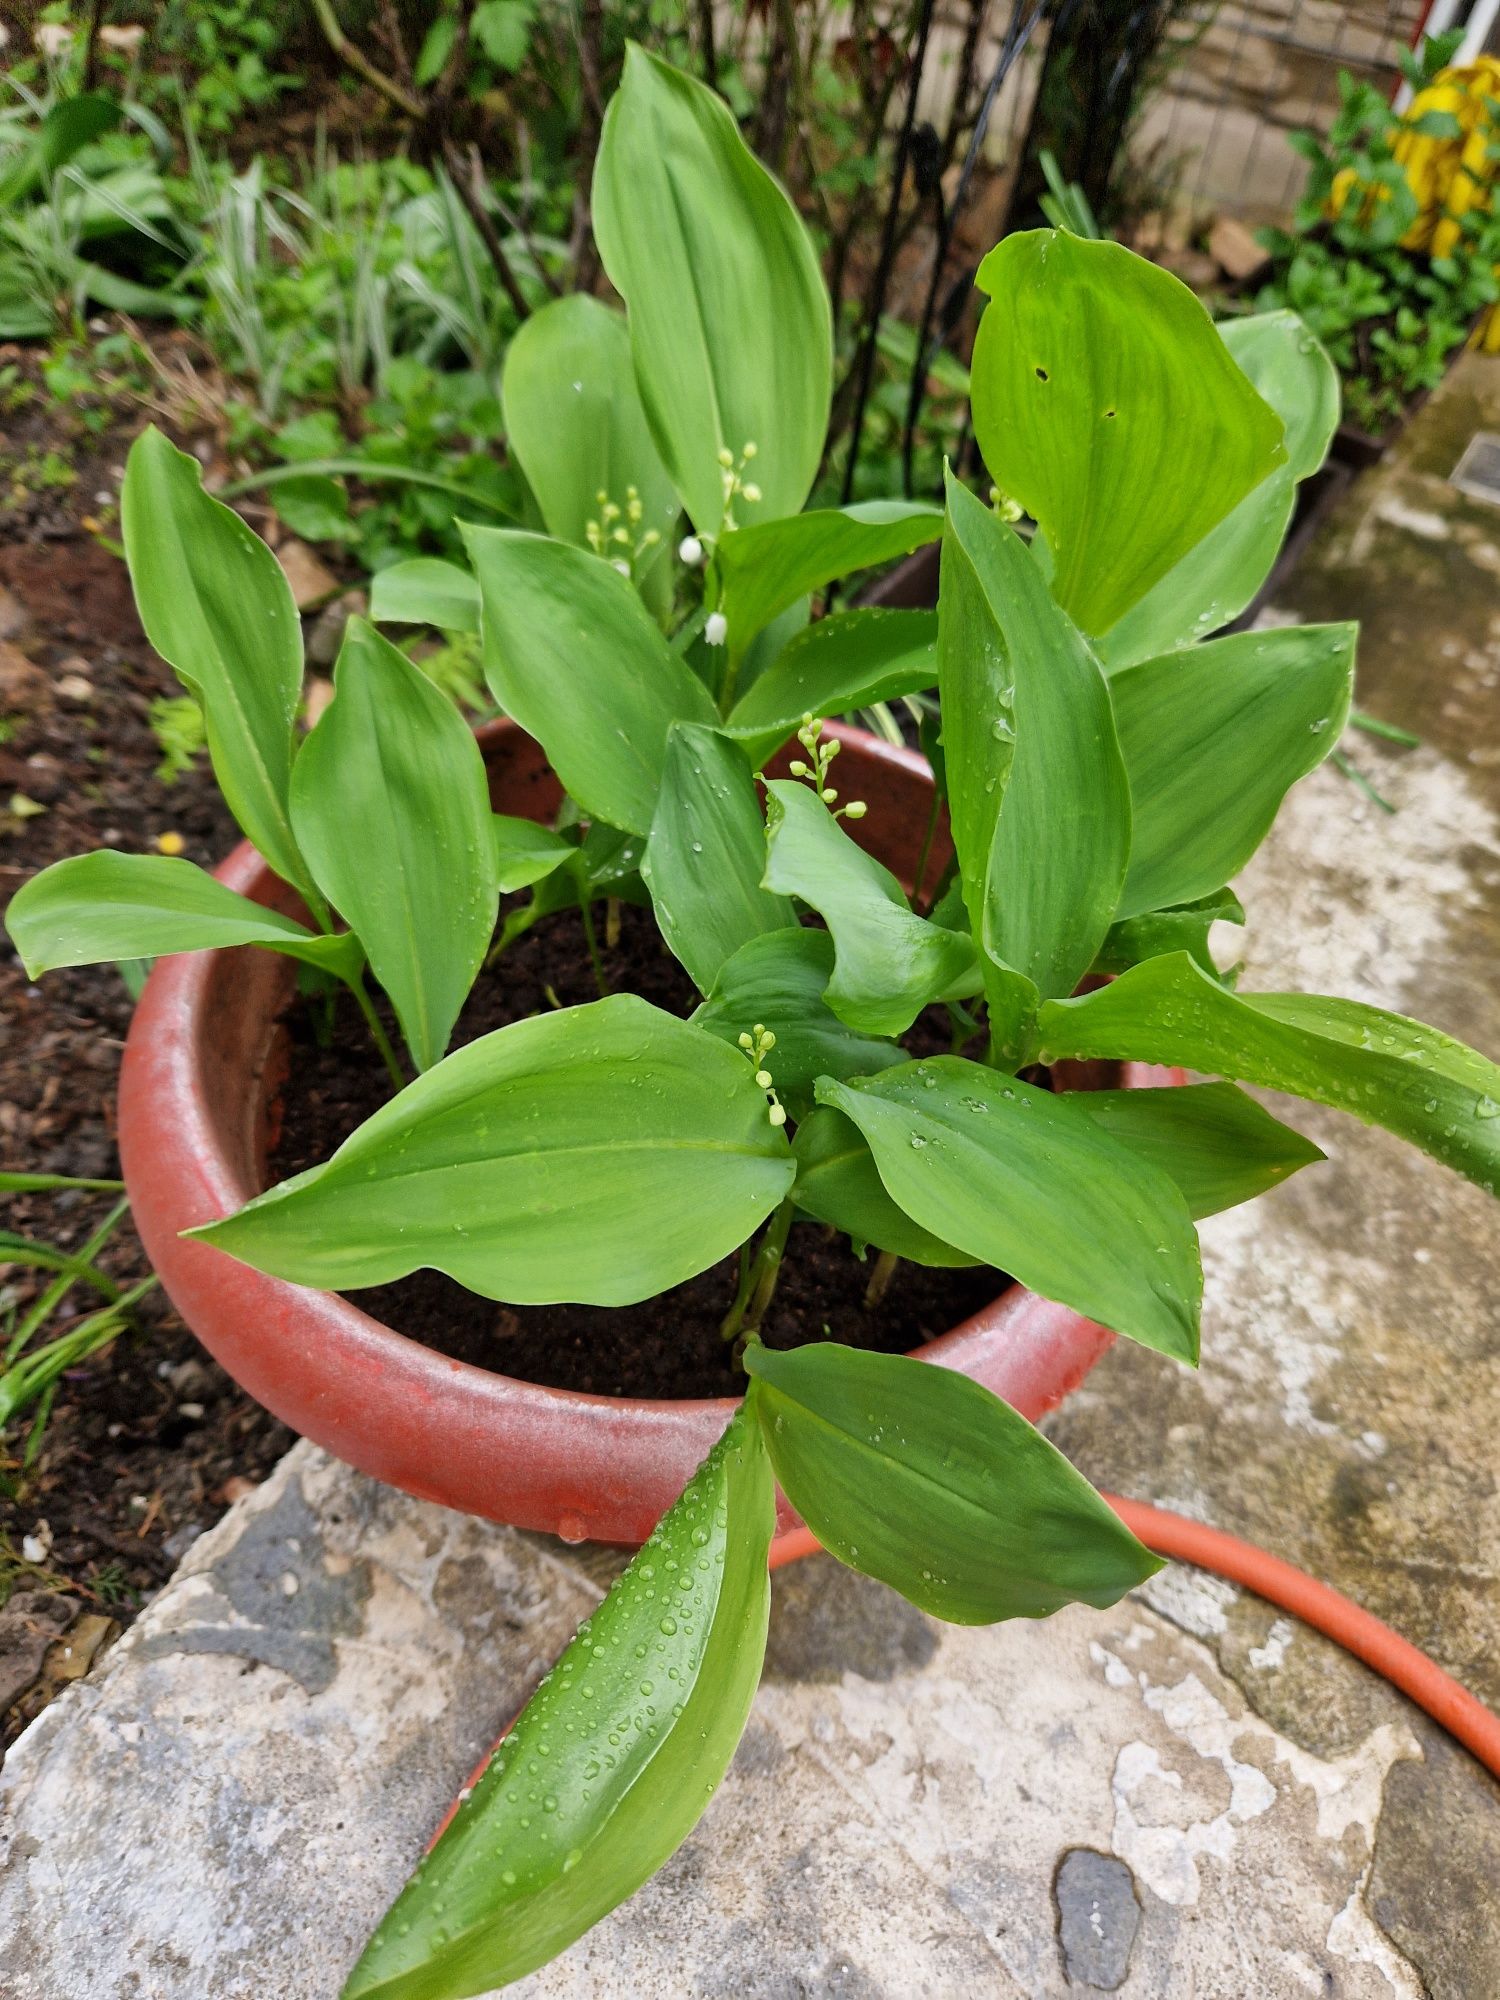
(1106, 768)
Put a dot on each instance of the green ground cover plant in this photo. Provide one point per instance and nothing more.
(1108, 766)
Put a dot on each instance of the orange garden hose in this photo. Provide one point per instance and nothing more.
(1328, 1611)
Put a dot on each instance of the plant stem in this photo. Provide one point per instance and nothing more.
(612, 921)
(80, 1272)
(378, 1034)
(731, 678)
(926, 854)
(758, 1286)
(880, 1279)
(601, 979)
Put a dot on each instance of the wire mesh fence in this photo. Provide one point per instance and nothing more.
(1245, 74)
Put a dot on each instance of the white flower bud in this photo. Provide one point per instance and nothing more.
(751, 493)
(856, 809)
(690, 551)
(716, 629)
(622, 567)
(763, 1078)
(778, 1114)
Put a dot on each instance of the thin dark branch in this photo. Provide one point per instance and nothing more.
(469, 188)
(476, 169)
(706, 54)
(351, 54)
(882, 276)
(91, 45)
(584, 255)
(1017, 35)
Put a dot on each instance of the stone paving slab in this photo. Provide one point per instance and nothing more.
(224, 1810)
(1186, 1796)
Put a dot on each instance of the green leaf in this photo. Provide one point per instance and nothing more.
(766, 567)
(707, 853)
(779, 980)
(1216, 1143)
(1213, 739)
(1183, 927)
(317, 508)
(66, 128)
(502, 28)
(103, 906)
(845, 662)
(611, 1763)
(1037, 790)
(391, 806)
(1379, 1067)
(925, 1479)
(1289, 368)
(526, 853)
(1212, 584)
(425, 591)
(572, 653)
(1006, 1171)
(1094, 373)
(50, 1183)
(729, 318)
(838, 1183)
(1219, 577)
(218, 609)
(888, 962)
(574, 420)
(599, 1154)
(437, 46)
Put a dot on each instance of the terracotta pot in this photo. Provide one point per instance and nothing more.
(193, 1120)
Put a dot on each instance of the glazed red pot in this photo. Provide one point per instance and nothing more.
(198, 1074)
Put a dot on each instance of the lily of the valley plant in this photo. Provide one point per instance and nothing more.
(1108, 768)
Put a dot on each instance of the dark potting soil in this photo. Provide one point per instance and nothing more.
(669, 1346)
(148, 1440)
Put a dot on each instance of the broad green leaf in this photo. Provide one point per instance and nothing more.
(1289, 368)
(573, 419)
(526, 853)
(425, 591)
(927, 1480)
(1216, 1143)
(729, 318)
(1213, 739)
(66, 128)
(838, 1183)
(103, 906)
(764, 568)
(888, 962)
(1379, 1067)
(218, 609)
(1107, 404)
(841, 663)
(1037, 790)
(391, 806)
(778, 981)
(1218, 578)
(572, 653)
(707, 853)
(1211, 585)
(1182, 927)
(1028, 1182)
(600, 1154)
(611, 1763)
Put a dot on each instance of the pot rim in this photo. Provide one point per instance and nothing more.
(178, 1174)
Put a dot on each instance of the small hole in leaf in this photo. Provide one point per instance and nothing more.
(1109, 413)
(1041, 374)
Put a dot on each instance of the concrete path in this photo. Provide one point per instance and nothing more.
(1187, 1796)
